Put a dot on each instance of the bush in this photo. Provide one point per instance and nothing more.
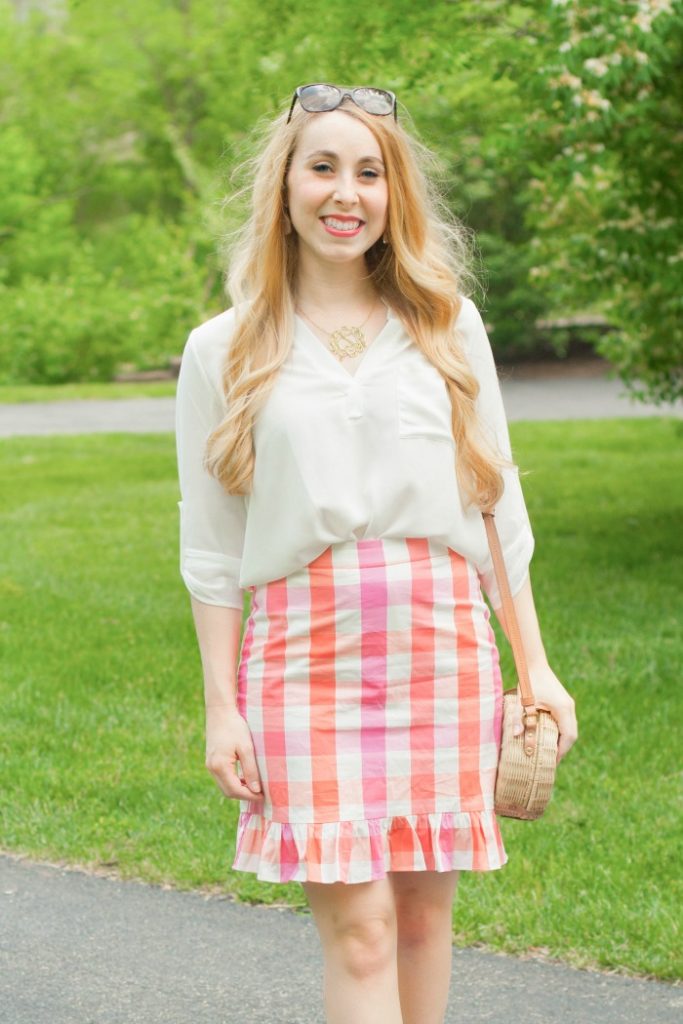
(128, 296)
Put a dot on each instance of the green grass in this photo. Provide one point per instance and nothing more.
(11, 393)
(102, 720)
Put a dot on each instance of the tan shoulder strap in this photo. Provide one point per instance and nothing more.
(511, 623)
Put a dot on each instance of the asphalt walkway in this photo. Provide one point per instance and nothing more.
(86, 949)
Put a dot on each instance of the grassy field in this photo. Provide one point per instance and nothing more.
(102, 723)
(10, 393)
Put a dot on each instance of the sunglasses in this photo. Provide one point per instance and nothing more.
(319, 96)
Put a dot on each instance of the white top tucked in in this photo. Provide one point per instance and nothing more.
(338, 457)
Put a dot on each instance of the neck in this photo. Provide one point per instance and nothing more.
(334, 287)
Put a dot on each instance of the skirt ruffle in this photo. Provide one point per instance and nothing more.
(365, 850)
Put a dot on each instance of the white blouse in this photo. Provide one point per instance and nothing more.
(337, 457)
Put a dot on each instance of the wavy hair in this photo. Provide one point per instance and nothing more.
(421, 274)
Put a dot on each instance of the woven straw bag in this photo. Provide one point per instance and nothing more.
(526, 766)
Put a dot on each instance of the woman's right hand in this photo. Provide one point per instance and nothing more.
(228, 740)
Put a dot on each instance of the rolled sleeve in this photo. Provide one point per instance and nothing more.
(511, 515)
(212, 522)
(517, 554)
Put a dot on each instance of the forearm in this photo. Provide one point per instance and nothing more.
(529, 629)
(218, 635)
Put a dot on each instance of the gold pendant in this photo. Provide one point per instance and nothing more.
(347, 341)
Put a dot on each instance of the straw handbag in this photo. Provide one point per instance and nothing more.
(526, 766)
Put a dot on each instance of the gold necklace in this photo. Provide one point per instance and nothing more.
(347, 340)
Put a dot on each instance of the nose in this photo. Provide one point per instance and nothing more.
(346, 191)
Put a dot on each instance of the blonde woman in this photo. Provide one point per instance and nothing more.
(339, 431)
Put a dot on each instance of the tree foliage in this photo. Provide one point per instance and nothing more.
(119, 125)
(604, 194)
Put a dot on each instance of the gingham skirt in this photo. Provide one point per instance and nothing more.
(371, 685)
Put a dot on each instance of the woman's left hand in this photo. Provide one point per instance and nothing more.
(549, 691)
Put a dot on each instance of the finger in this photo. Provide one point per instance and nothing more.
(517, 724)
(229, 782)
(569, 733)
(251, 776)
(238, 785)
(225, 772)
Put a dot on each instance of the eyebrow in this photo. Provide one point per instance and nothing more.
(331, 153)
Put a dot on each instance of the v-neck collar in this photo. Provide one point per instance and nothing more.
(323, 354)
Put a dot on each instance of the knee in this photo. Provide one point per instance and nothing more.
(418, 925)
(367, 946)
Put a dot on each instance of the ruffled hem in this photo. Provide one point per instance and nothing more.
(364, 850)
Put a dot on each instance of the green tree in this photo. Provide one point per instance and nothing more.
(120, 124)
(604, 195)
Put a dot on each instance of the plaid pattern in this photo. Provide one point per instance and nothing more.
(370, 681)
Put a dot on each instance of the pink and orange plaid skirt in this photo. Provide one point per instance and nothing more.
(371, 685)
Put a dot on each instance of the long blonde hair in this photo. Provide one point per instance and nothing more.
(421, 274)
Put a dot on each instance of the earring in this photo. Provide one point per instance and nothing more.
(385, 240)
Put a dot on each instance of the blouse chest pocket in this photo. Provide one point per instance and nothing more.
(424, 405)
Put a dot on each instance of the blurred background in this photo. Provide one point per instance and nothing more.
(558, 125)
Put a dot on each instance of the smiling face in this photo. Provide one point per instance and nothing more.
(336, 179)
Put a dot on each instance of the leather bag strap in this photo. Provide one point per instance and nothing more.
(530, 711)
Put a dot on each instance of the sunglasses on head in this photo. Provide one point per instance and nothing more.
(319, 96)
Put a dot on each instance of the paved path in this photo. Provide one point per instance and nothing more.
(84, 949)
(580, 396)
(566, 398)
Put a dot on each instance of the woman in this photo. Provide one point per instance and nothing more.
(318, 424)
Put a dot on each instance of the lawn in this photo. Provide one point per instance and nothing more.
(102, 724)
(11, 393)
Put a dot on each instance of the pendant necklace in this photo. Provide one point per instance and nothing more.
(347, 340)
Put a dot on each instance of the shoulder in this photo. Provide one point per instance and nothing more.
(469, 321)
(209, 342)
(472, 331)
(469, 313)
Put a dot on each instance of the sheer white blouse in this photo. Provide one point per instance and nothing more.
(338, 456)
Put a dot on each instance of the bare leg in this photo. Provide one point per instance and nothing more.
(424, 915)
(357, 926)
